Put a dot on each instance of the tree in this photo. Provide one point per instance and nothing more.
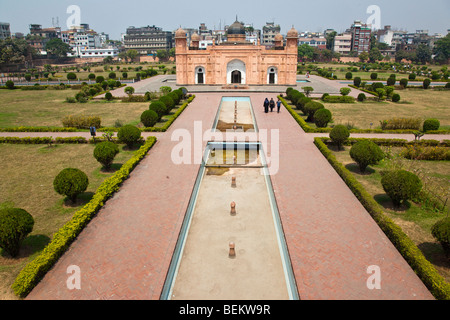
(132, 54)
(305, 51)
(57, 48)
(363, 57)
(15, 51)
(330, 40)
(442, 50)
(129, 90)
(308, 90)
(162, 55)
(423, 53)
(375, 55)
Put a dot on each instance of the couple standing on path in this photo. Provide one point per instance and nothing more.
(271, 104)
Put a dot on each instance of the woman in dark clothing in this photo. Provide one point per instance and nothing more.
(266, 105)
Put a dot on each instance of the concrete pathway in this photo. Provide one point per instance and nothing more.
(125, 252)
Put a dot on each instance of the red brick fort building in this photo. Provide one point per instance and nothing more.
(236, 61)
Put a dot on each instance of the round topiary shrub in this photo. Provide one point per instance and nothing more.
(112, 75)
(159, 107)
(295, 96)
(108, 96)
(175, 97)
(426, 83)
(27, 77)
(71, 182)
(99, 79)
(289, 90)
(91, 76)
(412, 76)
(348, 76)
(404, 82)
(322, 117)
(431, 124)
(339, 134)
(365, 153)
(391, 81)
(311, 108)
(441, 232)
(401, 185)
(149, 118)
(105, 153)
(168, 101)
(129, 90)
(324, 96)
(129, 135)
(395, 97)
(301, 103)
(362, 97)
(374, 76)
(447, 85)
(9, 84)
(357, 81)
(15, 225)
(71, 76)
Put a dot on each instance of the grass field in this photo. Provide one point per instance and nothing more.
(415, 220)
(99, 70)
(48, 108)
(414, 103)
(26, 181)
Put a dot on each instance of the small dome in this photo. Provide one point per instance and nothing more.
(195, 37)
(180, 33)
(236, 28)
(278, 37)
(292, 33)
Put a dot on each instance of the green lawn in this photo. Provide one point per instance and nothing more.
(38, 108)
(415, 219)
(26, 181)
(414, 103)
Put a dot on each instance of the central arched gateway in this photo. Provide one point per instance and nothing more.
(236, 72)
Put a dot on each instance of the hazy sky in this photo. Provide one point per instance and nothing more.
(113, 16)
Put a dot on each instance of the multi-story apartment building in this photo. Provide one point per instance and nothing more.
(317, 42)
(147, 40)
(39, 37)
(361, 34)
(5, 31)
(343, 43)
(270, 30)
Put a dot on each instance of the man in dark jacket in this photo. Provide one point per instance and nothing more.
(271, 104)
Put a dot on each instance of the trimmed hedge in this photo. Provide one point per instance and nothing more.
(308, 129)
(415, 258)
(33, 272)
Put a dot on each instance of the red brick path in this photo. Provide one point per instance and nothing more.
(125, 252)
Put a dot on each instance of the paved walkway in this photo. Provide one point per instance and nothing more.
(125, 252)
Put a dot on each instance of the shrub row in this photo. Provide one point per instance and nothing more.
(339, 99)
(81, 122)
(168, 123)
(419, 152)
(422, 267)
(42, 140)
(36, 269)
(300, 120)
(38, 129)
(396, 142)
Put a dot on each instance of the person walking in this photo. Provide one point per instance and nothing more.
(266, 105)
(278, 106)
(271, 104)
